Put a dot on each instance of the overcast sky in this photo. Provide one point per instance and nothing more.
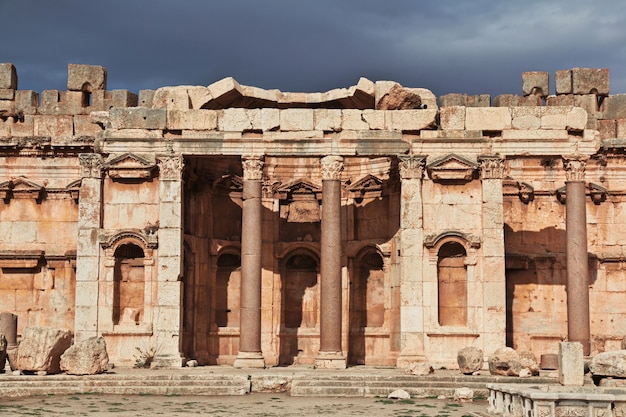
(447, 46)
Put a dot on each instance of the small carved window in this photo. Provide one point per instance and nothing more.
(452, 281)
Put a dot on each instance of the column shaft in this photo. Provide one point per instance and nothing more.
(330, 268)
(577, 265)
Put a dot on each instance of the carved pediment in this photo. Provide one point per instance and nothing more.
(73, 188)
(368, 185)
(300, 189)
(21, 188)
(130, 166)
(452, 168)
(597, 193)
(229, 184)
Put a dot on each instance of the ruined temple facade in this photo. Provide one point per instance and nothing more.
(375, 225)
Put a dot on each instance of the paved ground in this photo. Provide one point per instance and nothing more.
(255, 404)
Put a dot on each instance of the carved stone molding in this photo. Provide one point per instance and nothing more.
(523, 190)
(91, 165)
(147, 237)
(411, 166)
(170, 167)
(332, 167)
(470, 240)
(574, 166)
(491, 167)
(368, 186)
(597, 193)
(21, 188)
(252, 168)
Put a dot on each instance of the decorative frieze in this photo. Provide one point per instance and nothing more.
(252, 168)
(332, 167)
(411, 166)
(170, 167)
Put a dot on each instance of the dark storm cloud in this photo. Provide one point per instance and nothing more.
(451, 46)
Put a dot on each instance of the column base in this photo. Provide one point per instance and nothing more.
(249, 360)
(330, 360)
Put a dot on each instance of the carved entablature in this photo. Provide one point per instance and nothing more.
(367, 187)
(523, 190)
(471, 241)
(300, 201)
(452, 168)
(147, 237)
(21, 188)
(574, 166)
(597, 193)
(91, 165)
(491, 167)
(230, 184)
(21, 259)
(130, 166)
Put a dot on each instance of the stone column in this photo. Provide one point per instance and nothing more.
(493, 303)
(411, 257)
(330, 354)
(167, 311)
(576, 252)
(250, 354)
(88, 248)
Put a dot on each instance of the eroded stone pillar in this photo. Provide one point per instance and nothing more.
(330, 354)
(88, 249)
(493, 331)
(576, 251)
(167, 311)
(250, 354)
(411, 254)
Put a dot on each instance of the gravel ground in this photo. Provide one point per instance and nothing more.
(256, 404)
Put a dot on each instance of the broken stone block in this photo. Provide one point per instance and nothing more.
(7, 94)
(191, 119)
(138, 118)
(419, 368)
(607, 129)
(26, 101)
(453, 99)
(41, 349)
(399, 98)
(470, 360)
(563, 82)
(399, 394)
(84, 126)
(488, 118)
(611, 364)
(505, 361)
(464, 395)
(614, 107)
(146, 98)
(590, 81)
(122, 98)
(54, 126)
(88, 357)
(328, 120)
(8, 76)
(296, 119)
(535, 83)
(86, 77)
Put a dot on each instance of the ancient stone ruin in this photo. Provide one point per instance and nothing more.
(376, 224)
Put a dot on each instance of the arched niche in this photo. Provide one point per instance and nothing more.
(129, 284)
(452, 282)
(228, 289)
(367, 290)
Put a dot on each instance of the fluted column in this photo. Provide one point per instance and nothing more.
(411, 257)
(250, 354)
(576, 251)
(330, 354)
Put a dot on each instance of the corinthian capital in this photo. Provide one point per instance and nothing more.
(91, 165)
(170, 167)
(252, 167)
(411, 166)
(491, 167)
(574, 166)
(332, 166)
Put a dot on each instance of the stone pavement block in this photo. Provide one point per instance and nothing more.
(86, 77)
(8, 76)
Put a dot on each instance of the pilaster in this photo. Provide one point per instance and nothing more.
(88, 250)
(411, 254)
